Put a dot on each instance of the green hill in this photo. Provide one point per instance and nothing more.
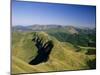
(63, 56)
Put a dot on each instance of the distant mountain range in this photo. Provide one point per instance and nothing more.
(37, 27)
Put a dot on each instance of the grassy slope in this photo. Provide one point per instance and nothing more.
(62, 57)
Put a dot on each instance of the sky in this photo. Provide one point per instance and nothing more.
(30, 13)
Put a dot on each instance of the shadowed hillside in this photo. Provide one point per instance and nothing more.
(42, 52)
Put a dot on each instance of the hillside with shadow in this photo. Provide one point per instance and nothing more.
(44, 50)
(41, 52)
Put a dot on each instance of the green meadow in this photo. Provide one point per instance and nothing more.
(70, 51)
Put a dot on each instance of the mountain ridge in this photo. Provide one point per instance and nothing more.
(62, 57)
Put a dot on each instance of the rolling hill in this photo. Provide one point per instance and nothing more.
(65, 54)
